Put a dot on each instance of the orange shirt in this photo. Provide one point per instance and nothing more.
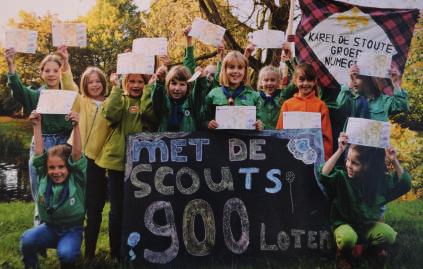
(310, 103)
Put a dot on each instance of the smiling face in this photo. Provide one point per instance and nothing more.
(269, 82)
(235, 71)
(95, 87)
(354, 166)
(50, 73)
(177, 89)
(134, 85)
(57, 170)
(305, 85)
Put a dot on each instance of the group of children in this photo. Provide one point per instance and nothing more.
(78, 159)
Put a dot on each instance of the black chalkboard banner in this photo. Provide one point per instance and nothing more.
(194, 196)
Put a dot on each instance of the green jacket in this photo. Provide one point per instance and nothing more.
(380, 108)
(28, 98)
(191, 106)
(268, 112)
(347, 204)
(126, 115)
(216, 97)
(72, 211)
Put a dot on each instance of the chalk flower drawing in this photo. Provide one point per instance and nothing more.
(301, 150)
(290, 177)
(353, 19)
(133, 240)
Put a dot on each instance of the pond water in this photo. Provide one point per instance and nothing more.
(14, 179)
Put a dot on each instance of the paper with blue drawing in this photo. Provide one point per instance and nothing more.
(236, 117)
(21, 40)
(207, 32)
(227, 195)
(69, 34)
(267, 39)
(150, 46)
(55, 101)
(135, 63)
(371, 133)
(301, 120)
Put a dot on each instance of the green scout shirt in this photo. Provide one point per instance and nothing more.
(380, 107)
(191, 106)
(269, 112)
(28, 98)
(216, 97)
(126, 115)
(72, 211)
(348, 205)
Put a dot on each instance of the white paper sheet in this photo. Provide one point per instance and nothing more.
(301, 120)
(194, 76)
(267, 39)
(135, 63)
(55, 101)
(236, 117)
(207, 32)
(69, 34)
(21, 40)
(150, 46)
(374, 65)
(370, 133)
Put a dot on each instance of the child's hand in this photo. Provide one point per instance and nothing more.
(286, 54)
(354, 70)
(342, 141)
(9, 54)
(35, 118)
(249, 50)
(259, 125)
(165, 60)
(395, 77)
(62, 51)
(391, 154)
(221, 50)
(73, 117)
(114, 79)
(213, 125)
(202, 71)
(152, 79)
(161, 73)
(189, 38)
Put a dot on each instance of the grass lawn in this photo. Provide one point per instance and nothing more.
(406, 217)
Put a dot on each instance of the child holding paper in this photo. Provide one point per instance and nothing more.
(94, 129)
(305, 79)
(357, 195)
(55, 73)
(234, 90)
(60, 198)
(177, 105)
(128, 110)
(363, 99)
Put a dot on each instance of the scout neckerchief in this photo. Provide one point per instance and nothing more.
(362, 110)
(176, 115)
(269, 99)
(64, 195)
(232, 95)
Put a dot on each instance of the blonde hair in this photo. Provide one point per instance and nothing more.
(146, 78)
(268, 69)
(231, 57)
(50, 58)
(62, 151)
(180, 73)
(85, 77)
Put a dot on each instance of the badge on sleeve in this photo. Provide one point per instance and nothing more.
(134, 109)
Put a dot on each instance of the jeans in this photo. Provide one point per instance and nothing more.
(115, 184)
(96, 194)
(49, 140)
(66, 240)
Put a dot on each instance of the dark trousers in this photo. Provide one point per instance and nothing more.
(115, 184)
(96, 194)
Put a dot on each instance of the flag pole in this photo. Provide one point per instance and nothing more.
(289, 38)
